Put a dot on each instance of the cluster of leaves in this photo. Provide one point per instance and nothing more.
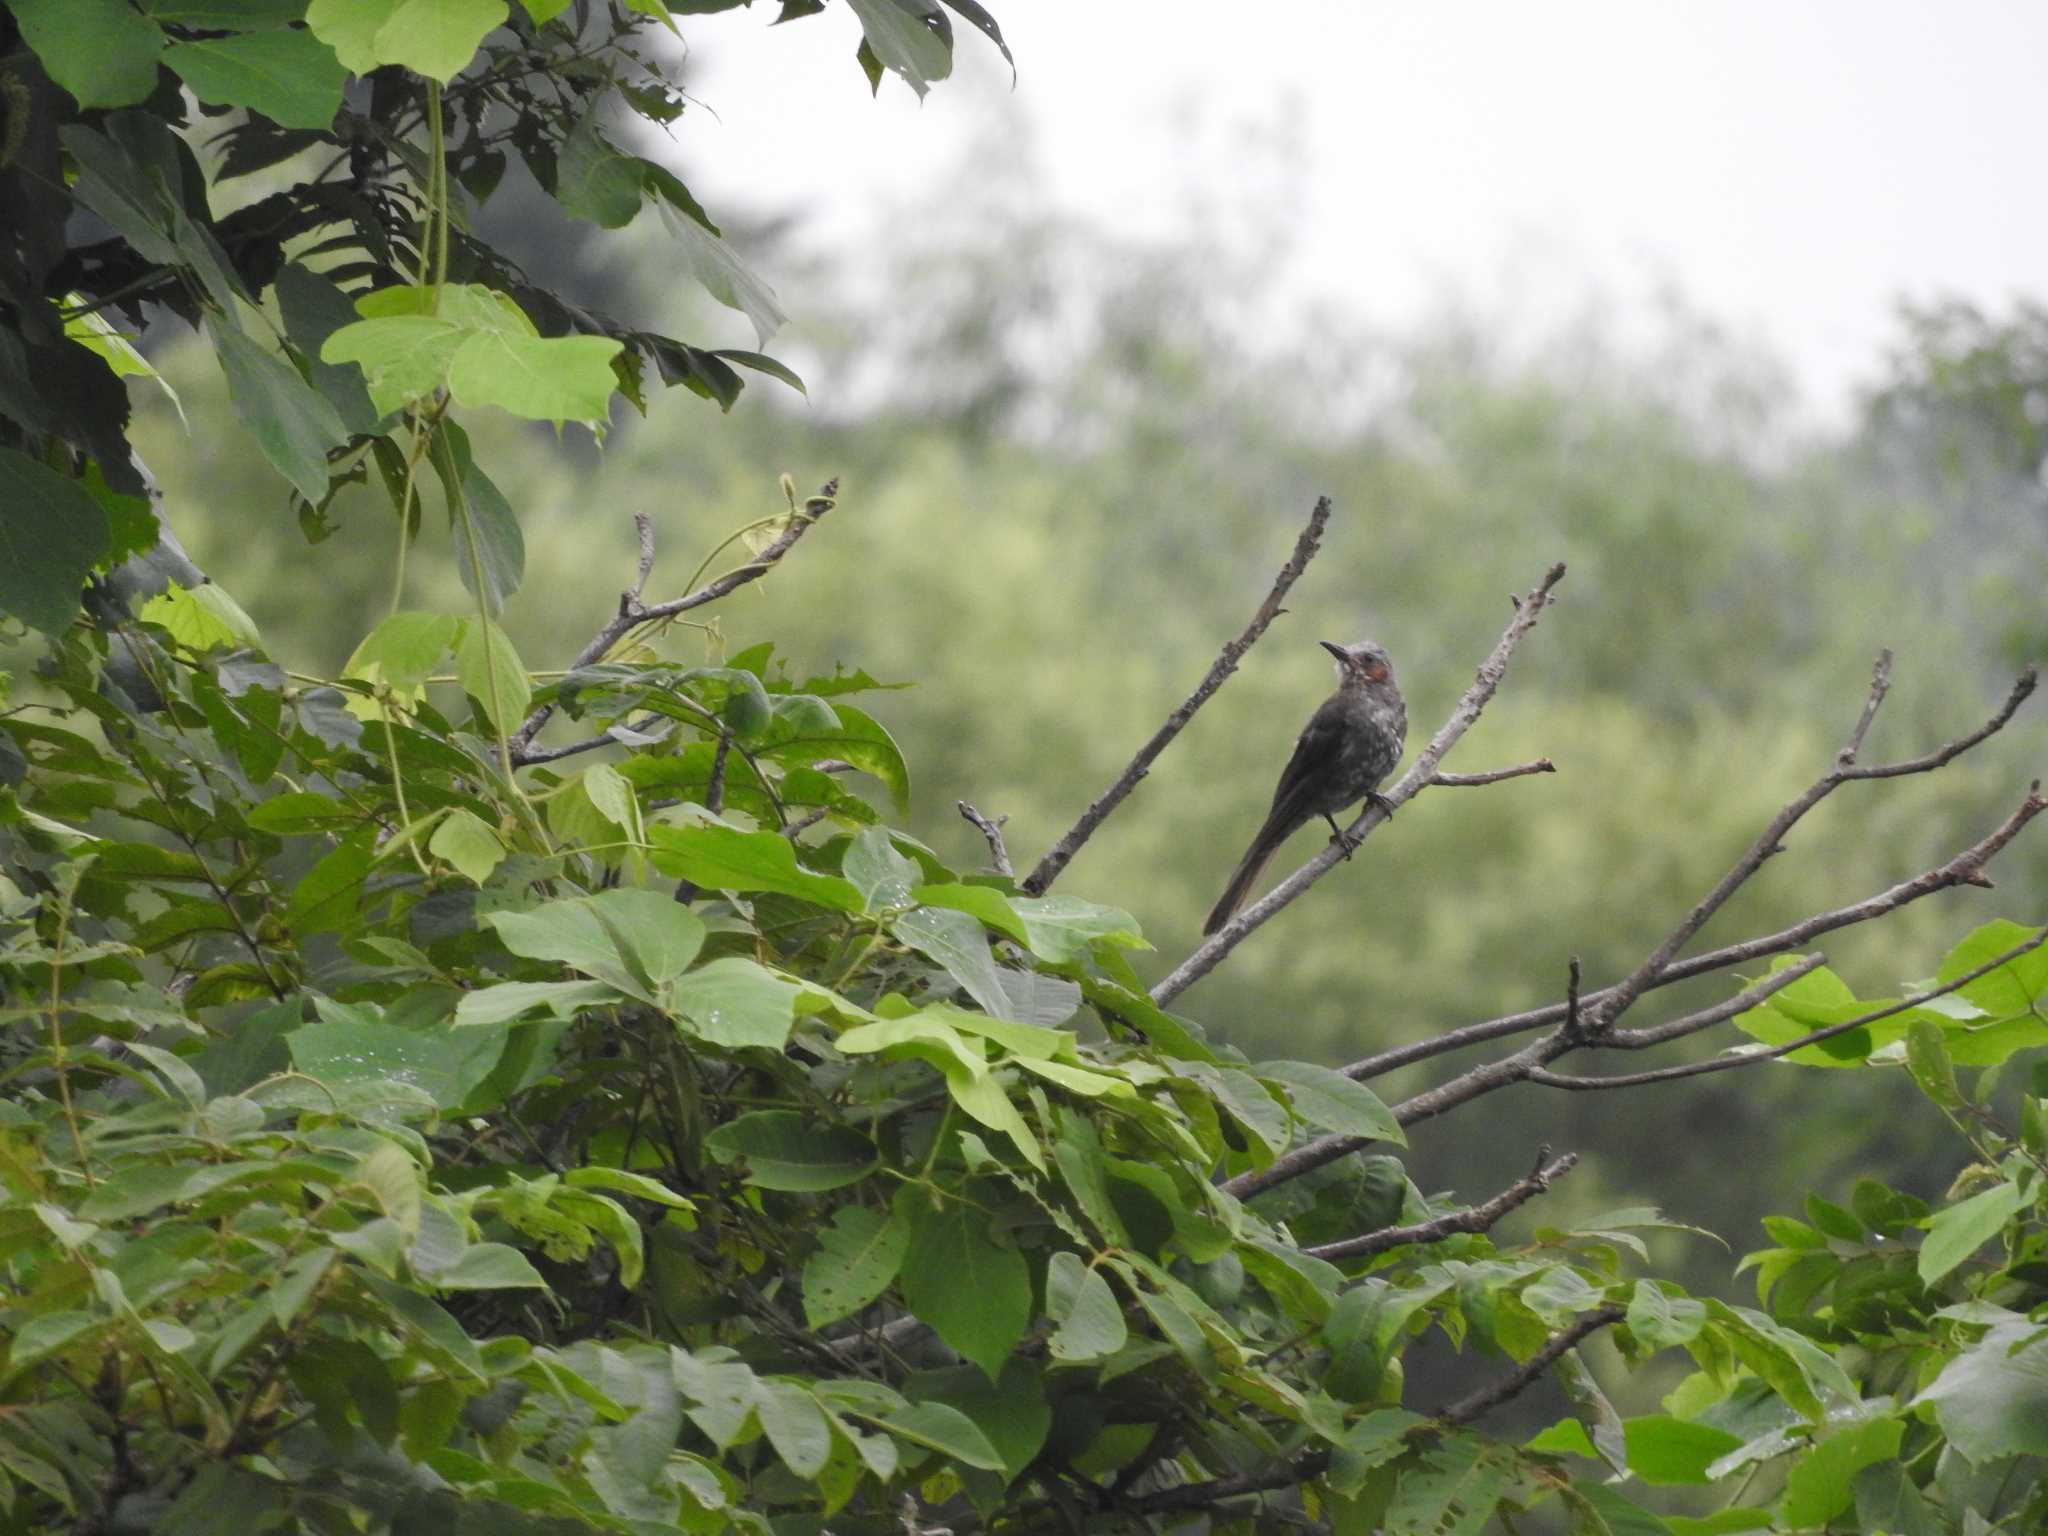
(364, 254)
(387, 1141)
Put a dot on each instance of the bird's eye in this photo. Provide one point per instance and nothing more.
(1375, 671)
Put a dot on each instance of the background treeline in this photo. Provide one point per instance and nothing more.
(1072, 462)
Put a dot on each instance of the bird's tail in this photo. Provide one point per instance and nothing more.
(1248, 871)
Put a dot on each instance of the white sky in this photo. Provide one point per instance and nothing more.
(1792, 167)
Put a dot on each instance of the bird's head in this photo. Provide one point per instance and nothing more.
(1361, 664)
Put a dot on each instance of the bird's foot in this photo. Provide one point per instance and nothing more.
(1386, 806)
(1347, 842)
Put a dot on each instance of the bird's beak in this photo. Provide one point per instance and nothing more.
(1335, 650)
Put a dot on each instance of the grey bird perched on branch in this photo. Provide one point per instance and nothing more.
(1348, 746)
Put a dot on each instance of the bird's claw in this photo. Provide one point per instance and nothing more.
(1386, 806)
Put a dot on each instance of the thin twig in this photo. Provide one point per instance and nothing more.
(1966, 868)
(992, 830)
(1212, 952)
(1478, 1218)
(1815, 1037)
(1880, 685)
(1473, 780)
(1618, 998)
(1492, 1395)
(1062, 852)
(644, 526)
(633, 612)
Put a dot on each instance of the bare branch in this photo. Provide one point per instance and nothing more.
(1880, 685)
(1814, 1037)
(1491, 1396)
(633, 612)
(1707, 1018)
(1478, 1218)
(1062, 852)
(992, 830)
(644, 526)
(1966, 868)
(1472, 780)
(1286, 1474)
(804, 823)
(1484, 684)
(1622, 994)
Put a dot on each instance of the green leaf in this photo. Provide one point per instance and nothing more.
(490, 551)
(1928, 1060)
(1822, 1483)
(1567, 1437)
(2014, 986)
(51, 534)
(1992, 1399)
(327, 898)
(542, 378)
(1089, 1323)
(945, 1430)
(1664, 1450)
(292, 422)
(974, 1292)
(735, 1002)
(721, 858)
(1662, 1321)
(404, 649)
(201, 619)
(1011, 1411)
(1333, 1102)
(858, 1255)
(468, 842)
(1615, 1514)
(724, 276)
(448, 1064)
(633, 939)
(859, 740)
(292, 78)
(626, 1182)
(957, 943)
(1062, 929)
(99, 50)
(489, 1267)
(434, 1327)
(787, 1150)
(313, 309)
(795, 1425)
(492, 673)
(883, 876)
(902, 40)
(1958, 1231)
(596, 181)
(436, 38)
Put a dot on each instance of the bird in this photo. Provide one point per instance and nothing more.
(1343, 754)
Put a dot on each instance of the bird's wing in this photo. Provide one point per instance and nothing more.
(1311, 769)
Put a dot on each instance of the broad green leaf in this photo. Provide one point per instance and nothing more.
(447, 1064)
(883, 876)
(1333, 1102)
(2014, 986)
(490, 551)
(721, 858)
(404, 649)
(662, 935)
(858, 1255)
(1822, 1483)
(1927, 1058)
(314, 309)
(596, 181)
(1992, 1399)
(1662, 1321)
(1665, 1450)
(510, 1000)
(436, 38)
(783, 1149)
(625, 1182)
(291, 421)
(433, 1326)
(991, 907)
(542, 378)
(902, 40)
(292, 78)
(225, 15)
(795, 1426)
(489, 1267)
(1011, 1411)
(945, 1430)
(51, 533)
(724, 276)
(958, 944)
(1958, 1231)
(975, 1292)
(99, 50)
(393, 1181)
(1062, 928)
(1454, 1491)
(201, 619)
(1089, 1323)
(1567, 1437)
(469, 843)
(859, 740)
(735, 1002)
(492, 673)
(328, 897)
